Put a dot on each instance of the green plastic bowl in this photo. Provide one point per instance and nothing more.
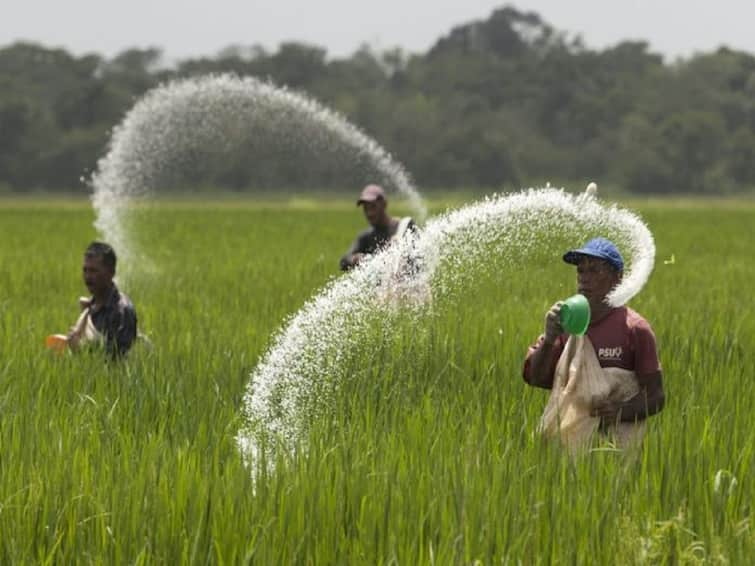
(575, 315)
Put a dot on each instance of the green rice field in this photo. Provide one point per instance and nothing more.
(427, 452)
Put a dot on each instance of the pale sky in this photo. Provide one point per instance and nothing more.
(189, 28)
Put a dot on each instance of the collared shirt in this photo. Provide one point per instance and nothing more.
(116, 321)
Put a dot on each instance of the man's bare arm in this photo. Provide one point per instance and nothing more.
(540, 371)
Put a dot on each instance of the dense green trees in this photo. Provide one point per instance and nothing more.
(495, 103)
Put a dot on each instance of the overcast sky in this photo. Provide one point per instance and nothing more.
(188, 28)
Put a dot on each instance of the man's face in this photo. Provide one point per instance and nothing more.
(97, 276)
(374, 211)
(595, 279)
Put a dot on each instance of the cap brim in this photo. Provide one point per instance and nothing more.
(573, 256)
(364, 200)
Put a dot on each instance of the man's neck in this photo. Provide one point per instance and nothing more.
(385, 224)
(599, 312)
(99, 299)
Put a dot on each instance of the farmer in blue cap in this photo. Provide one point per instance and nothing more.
(621, 337)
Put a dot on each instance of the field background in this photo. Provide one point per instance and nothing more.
(427, 456)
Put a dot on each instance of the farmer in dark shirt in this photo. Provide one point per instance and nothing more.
(384, 227)
(108, 316)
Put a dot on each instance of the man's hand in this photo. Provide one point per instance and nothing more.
(73, 340)
(553, 324)
(648, 401)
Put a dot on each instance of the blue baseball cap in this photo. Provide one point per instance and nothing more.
(600, 248)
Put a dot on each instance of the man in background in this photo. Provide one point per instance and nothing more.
(384, 227)
(108, 317)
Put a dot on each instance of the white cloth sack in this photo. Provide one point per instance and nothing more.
(580, 384)
(84, 331)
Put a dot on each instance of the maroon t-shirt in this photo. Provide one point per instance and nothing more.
(622, 339)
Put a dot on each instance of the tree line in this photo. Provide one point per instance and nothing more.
(494, 103)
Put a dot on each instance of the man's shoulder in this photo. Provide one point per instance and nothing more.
(366, 233)
(637, 322)
(124, 302)
(402, 226)
(634, 318)
(625, 319)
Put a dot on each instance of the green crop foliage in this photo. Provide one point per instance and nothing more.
(426, 454)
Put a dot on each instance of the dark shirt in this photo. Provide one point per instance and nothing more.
(116, 321)
(371, 241)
